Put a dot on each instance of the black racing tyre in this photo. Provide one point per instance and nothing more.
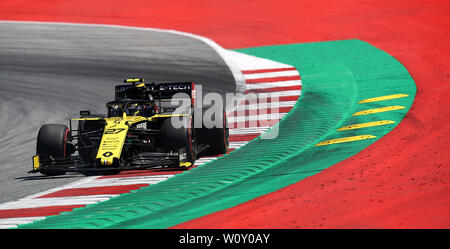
(174, 139)
(51, 142)
(212, 134)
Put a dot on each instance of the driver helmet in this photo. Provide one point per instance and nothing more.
(115, 111)
(134, 109)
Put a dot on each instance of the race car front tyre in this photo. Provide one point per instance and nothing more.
(51, 142)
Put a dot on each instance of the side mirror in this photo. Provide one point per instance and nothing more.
(85, 113)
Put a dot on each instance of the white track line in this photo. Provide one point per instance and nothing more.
(273, 84)
(14, 222)
(57, 201)
(292, 72)
(251, 130)
(265, 105)
(259, 117)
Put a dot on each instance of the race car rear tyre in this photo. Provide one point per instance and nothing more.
(51, 142)
(212, 134)
(174, 139)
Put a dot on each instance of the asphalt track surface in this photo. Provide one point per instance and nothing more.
(48, 72)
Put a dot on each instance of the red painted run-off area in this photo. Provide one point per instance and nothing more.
(401, 181)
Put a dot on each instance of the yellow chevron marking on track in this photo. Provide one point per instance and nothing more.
(345, 140)
(387, 97)
(381, 109)
(364, 125)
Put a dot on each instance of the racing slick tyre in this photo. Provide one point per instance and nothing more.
(180, 138)
(213, 132)
(51, 142)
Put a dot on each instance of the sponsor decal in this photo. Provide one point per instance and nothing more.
(107, 154)
(114, 131)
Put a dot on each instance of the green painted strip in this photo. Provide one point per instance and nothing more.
(335, 75)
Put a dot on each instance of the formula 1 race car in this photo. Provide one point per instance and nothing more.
(142, 129)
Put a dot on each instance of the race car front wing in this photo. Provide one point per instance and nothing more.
(143, 160)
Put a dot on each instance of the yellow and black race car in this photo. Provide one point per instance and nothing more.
(142, 129)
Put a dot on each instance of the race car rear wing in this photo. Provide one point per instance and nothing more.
(159, 91)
